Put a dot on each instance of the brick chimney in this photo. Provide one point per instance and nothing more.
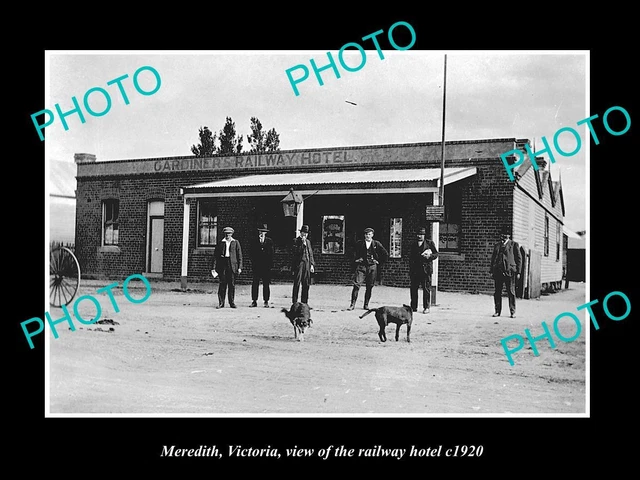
(520, 143)
(84, 158)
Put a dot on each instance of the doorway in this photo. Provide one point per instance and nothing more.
(155, 247)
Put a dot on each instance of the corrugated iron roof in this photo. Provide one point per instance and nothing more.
(327, 178)
(575, 241)
(570, 233)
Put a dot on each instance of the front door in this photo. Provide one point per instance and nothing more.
(156, 244)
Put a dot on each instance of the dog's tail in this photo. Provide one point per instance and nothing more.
(367, 312)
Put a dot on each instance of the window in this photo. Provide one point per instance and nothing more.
(449, 235)
(558, 240)
(207, 224)
(395, 238)
(450, 229)
(546, 235)
(110, 222)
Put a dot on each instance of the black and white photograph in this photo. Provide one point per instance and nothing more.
(323, 241)
(173, 160)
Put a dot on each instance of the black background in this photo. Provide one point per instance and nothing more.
(512, 446)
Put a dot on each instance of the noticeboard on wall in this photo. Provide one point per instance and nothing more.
(434, 213)
(333, 234)
(395, 240)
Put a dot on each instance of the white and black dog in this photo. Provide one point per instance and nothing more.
(300, 317)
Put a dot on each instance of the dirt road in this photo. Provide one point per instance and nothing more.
(177, 354)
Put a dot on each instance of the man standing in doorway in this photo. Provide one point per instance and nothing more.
(506, 263)
(369, 254)
(422, 254)
(262, 258)
(302, 265)
(228, 263)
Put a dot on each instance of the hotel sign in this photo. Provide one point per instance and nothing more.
(248, 163)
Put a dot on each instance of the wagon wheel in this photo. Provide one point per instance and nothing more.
(64, 276)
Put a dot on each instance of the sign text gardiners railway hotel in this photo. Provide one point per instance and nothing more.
(261, 160)
(422, 154)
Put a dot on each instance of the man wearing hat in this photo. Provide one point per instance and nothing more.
(506, 264)
(421, 256)
(262, 262)
(228, 263)
(302, 265)
(369, 254)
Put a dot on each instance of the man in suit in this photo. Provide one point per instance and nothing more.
(302, 265)
(421, 256)
(228, 263)
(262, 258)
(369, 253)
(506, 264)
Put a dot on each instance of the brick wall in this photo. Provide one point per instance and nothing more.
(360, 211)
(488, 204)
(243, 214)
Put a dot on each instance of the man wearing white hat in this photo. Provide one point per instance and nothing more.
(228, 264)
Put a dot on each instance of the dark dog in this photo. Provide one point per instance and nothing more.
(300, 317)
(386, 315)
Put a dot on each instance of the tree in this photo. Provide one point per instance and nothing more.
(256, 139)
(272, 142)
(207, 145)
(230, 143)
(261, 142)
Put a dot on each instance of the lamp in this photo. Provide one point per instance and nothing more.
(291, 203)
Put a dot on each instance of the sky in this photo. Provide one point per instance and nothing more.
(399, 99)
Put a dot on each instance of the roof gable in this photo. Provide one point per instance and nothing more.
(560, 195)
(539, 183)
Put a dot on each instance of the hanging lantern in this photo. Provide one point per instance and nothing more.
(291, 203)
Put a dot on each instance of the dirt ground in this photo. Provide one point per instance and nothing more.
(176, 354)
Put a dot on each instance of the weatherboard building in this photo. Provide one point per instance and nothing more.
(163, 216)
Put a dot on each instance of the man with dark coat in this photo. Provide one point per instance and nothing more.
(262, 260)
(369, 253)
(506, 264)
(421, 256)
(227, 261)
(302, 265)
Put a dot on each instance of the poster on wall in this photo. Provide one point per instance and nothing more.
(395, 242)
(333, 234)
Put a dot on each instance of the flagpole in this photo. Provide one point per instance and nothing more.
(444, 111)
(439, 199)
